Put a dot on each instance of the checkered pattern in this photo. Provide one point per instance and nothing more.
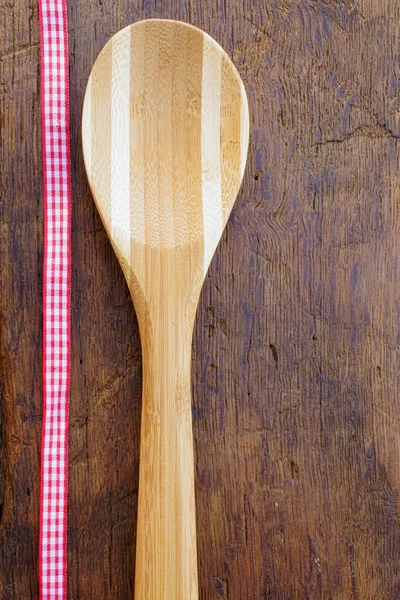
(56, 299)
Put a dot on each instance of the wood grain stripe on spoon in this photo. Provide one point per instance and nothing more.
(120, 141)
(210, 150)
(188, 94)
(100, 146)
(231, 145)
(137, 141)
(182, 120)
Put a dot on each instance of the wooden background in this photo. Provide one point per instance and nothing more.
(296, 351)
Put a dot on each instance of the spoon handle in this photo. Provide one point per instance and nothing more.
(166, 557)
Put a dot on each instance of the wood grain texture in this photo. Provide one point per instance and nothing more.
(295, 355)
(175, 122)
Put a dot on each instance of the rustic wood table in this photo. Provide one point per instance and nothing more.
(296, 352)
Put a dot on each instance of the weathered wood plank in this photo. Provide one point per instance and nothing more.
(296, 347)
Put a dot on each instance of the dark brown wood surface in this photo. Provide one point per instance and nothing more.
(296, 351)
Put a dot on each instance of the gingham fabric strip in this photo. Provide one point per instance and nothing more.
(56, 299)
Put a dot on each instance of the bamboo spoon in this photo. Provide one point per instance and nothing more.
(165, 135)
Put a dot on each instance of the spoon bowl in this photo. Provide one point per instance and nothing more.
(165, 135)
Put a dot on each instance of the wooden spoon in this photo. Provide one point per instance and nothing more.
(165, 136)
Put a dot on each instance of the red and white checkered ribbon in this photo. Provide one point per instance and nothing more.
(56, 299)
